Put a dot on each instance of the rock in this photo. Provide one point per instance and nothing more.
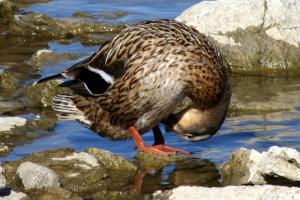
(35, 176)
(89, 160)
(53, 194)
(41, 95)
(4, 150)
(80, 173)
(14, 196)
(3, 183)
(42, 26)
(7, 9)
(8, 123)
(11, 106)
(7, 81)
(279, 165)
(266, 40)
(256, 108)
(47, 57)
(266, 192)
(111, 161)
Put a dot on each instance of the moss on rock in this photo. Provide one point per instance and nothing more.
(41, 95)
(7, 81)
(42, 26)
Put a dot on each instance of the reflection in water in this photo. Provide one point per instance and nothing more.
(185, 171)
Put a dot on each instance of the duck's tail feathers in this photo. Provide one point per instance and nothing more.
(66, 107)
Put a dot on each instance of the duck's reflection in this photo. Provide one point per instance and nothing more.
(185, 171)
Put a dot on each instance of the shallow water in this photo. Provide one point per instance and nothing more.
(258, 131)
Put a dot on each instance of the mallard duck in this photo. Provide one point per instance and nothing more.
(137, 79)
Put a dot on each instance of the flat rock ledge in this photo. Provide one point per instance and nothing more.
(255, 36)
(265, 192)
(277, 166)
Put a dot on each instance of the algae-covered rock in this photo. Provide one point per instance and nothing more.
(151, 161)
(47, 57)
(111, 161)
(4, 149)
(35, 176)
(25, 3)
(40, 95)
(7, 81)
(255, 108)
(75, 171)
(7, 9)
(52, 194)
(43, 26)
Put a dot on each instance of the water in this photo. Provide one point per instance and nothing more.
(258, 131)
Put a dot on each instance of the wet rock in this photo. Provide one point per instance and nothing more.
(42, 26)
(7, 9)
(14, 196)
(111, 161)
(25, 3)
(279, 165)
(89, 160)
(41, 95)
(53, 194)
(4, 150)
(78, 172)
(255, 108)
(8, 123)
(11, 106)
(47, 57)
(113, 15)
(7, 81)
(35, 176)
(266, 192)
(45, 119)
(265, 41)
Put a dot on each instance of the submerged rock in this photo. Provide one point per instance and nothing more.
(265, 40)
(7, 81)
(35, 176)
(47, 57)
(279, 165)
(266, 192)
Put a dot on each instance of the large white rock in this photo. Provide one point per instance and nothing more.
(277, 165)
(8, 123)
(279, 18)
(266, 192)
(35, 176)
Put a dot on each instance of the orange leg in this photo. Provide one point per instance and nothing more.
(159, 149)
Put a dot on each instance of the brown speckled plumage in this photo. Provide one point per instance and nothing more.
(155, 65)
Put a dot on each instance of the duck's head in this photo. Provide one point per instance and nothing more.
(194, 124)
